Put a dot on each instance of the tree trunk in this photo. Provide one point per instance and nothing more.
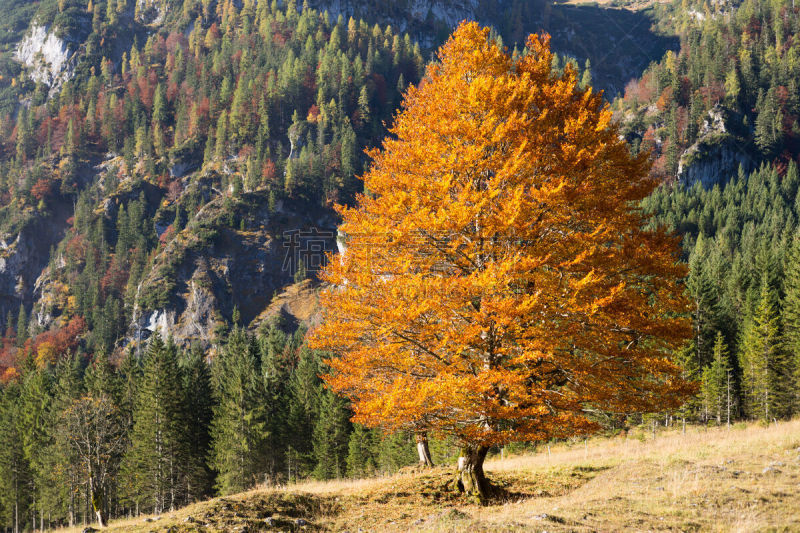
(98, 501)
(470, 478)
(423, 450)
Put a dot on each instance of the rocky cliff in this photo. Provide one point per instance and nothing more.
(716, 155)
(236, 254)
(50, 59)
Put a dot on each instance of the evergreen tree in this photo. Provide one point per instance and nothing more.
(22, 326)
(791, 318)
(275, 375)
(716, 384)
(757, 356)
(37, 434)
(331, 436)
(14, 470)
(153, 461)
(361, 452)
(238, 429)
(66, 471)
(303, 412)
(198, 412)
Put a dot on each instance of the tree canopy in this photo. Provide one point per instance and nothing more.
(498, 283)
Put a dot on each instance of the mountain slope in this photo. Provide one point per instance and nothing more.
(161, 107)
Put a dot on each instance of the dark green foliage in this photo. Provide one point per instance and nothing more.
(239, 427)
(361, 460)
(15, 474)
(156, 454)
(717, 381)
(198, 405)
(740, 242)
(330, 441)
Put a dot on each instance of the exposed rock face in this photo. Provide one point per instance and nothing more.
(449, 12)
(202, 280)
(716, 155)
(404, 14)
(151, 12)
(51, 60)
(23, 257)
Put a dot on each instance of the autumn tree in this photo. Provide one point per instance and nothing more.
(96, 439)
(497, 284)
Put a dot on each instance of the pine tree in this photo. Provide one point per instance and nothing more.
(238, 429)
(152, 462)
(198, 412)
(331, 436)
(716, 384)
(757, 354)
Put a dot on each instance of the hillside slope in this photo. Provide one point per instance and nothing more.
(743, 478)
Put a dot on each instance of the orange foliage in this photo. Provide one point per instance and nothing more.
(497, 283)
(42, 188)
(665, 99)
(268, 171)
(50, 344)
(8, 374)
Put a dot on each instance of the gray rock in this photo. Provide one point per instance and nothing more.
(716, 155)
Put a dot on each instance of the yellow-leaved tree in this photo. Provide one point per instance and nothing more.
(498, 284)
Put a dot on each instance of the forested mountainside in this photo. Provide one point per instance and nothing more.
(158, 159)
(204, 144)
(169, 145)
(721, 120)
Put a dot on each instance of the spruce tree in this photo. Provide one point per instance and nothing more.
(361, 452)
(37, 434)
(791, 318)
(14, 470)
(716, 384)
(757, 354)
(22, 326)
(305, 388)
(67, 387)
(331, 436)
(198, 412)
(153, 460)
(276, 395)
(238, 429)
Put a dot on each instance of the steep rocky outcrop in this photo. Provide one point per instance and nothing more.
(50, 59)
(231, 256)
(151, 12)
(24, 254)
(716, 155)
(418, 17)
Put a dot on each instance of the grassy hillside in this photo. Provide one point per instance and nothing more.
(743, 478)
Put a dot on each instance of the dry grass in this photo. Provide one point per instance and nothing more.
(745, 478)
